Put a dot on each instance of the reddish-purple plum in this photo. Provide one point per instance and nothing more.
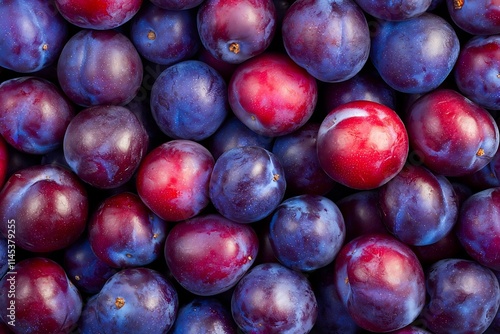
(306, 232)
(450, 134)
(478, 227)
(34, 114)
(477, 68)
(272, 95)
(173, 179)
(418, 207)
(208, 254)
(99, 68)
(39, 298)
(236, 30)
(464, 297)
(48, 206)
(134, 300)
(123, 232)
(189, 100)
(299, 158)
(362, 144)
(165, 36)
(415, 55)
(104, 145)
(32, 35)
(271, 298)
(204, 316)
(380, 281)
(98, 14)
(87, 272)
(329, 38)
(478, 17)
(247, 184)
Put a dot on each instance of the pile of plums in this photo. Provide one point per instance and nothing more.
(249, 166)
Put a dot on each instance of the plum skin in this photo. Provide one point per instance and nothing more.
(49, 205)
(450, 134)
(380, 281)
(362, 144)
(173, 179)
(38, 119)
(272, 95)
(208, 254)
(45, 299)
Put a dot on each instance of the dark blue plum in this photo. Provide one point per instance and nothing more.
(394, 10)
(165, 36)
(299, 158)
(87, 272)
(236, 30)
(478, 227)
(134, 300)
(247, 184)
(361, 212)
(124, 232)
(104, 145)
(477, 68)
(34, 114)
(99, 67)
(4, 254)
(233, 133)
(329, 38)
(32, 34)
(306, 232)
(415, 55)
(479, 17)
(464, 297)
(333, 317)
(271, 298)
(418, 206)
(204, 316)
(189, 100)
(365, 85)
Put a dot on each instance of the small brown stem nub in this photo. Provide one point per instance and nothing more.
(480, 152)
(458, 4)
(119, 302)
(45, 47)
(151, 35)
(234, 48)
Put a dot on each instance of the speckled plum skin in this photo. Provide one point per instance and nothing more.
(45, 300)
(173, 179)
(134, 300)
(306, 232)
(464, 297)
(450, 134)
(479, 17)
(204, 315)
(394, 10)
(247, 184)
(208, 254)
(98, 14)
(362, 144)
(478, 227)
(414, 55)
(329, 38)
(272, 95)
(123, 232)
(104, 145)
(418, 207)
(271, 298)
(224, 25)
(49, 206)
(380, 281)
(99, 68)
(476, 70)
(32, 34)
(34, 114)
